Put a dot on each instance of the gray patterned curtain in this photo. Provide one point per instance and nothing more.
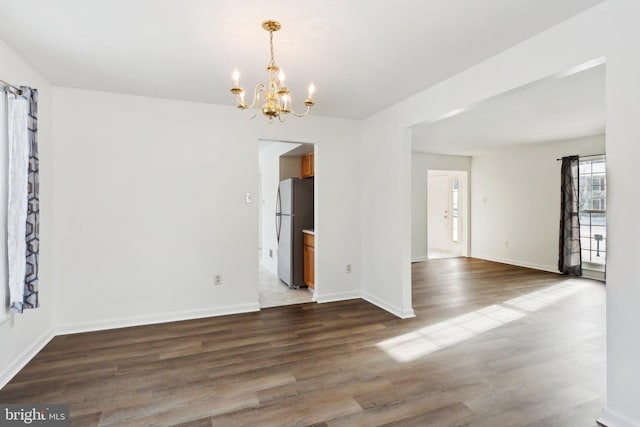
(570, 257)
(32, 234)
(23, 207)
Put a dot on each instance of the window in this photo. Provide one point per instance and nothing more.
(593, 211)
(455, 222)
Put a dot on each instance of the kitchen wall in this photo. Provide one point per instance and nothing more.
(150, 205)
(23, 335)
(420, 164)
(290, 167)
(516, 201)
(606, 31)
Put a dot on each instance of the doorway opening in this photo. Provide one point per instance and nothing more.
(286, 214)
(447, 207)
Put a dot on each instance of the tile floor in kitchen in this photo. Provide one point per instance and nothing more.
(274, 292)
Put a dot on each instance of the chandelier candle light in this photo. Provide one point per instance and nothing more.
(276, 96)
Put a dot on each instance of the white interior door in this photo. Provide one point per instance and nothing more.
(438, 211)
(446, 214)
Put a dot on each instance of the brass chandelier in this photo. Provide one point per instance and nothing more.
(275, 97)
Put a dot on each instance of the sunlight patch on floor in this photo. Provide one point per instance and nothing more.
(537, 300)
(423, 341)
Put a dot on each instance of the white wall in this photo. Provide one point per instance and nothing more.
(386, 227)
(609, 30)
(150, 205)
(623, 286)
(271, 172)
(290, 167)
(516, 200)
(25, 334)
(420, 164)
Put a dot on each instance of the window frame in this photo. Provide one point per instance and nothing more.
(594, 183)
(455, 210)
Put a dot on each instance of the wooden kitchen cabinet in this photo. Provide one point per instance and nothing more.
(307, 165)
(309, 270)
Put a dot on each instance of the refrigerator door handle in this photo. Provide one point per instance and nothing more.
(278, 216)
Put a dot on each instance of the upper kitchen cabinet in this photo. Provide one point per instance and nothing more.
(307, 165)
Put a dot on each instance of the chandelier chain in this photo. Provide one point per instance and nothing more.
(273, 63)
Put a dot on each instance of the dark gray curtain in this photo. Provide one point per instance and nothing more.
(570, 257)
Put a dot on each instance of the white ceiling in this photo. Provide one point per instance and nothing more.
(362, 55)
(552, 109)
(297, 149)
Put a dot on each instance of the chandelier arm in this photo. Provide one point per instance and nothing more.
(301, 114)
(292, 111)
(256, 95)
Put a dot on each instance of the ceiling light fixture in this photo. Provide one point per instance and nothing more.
(276, 96)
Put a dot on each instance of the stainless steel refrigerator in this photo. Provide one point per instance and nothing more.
(294, 212)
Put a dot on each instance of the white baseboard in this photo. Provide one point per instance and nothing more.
(549, 268)
(611, 418)
(343, 296)
(594, 275)
(25, 357)
(74, 328)
(396, 311)
(420, 259)
(337, 296)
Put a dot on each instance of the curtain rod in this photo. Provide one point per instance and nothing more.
(590, 155)
(17, 89)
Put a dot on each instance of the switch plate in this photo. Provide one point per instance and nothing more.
(248, 198)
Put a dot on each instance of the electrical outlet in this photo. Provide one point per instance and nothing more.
(348, 268)
(218, 280)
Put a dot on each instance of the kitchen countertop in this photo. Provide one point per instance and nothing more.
(312, 232)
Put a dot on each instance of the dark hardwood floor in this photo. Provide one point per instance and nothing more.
(491, 345)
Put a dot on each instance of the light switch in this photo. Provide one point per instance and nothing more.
(248, 198)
